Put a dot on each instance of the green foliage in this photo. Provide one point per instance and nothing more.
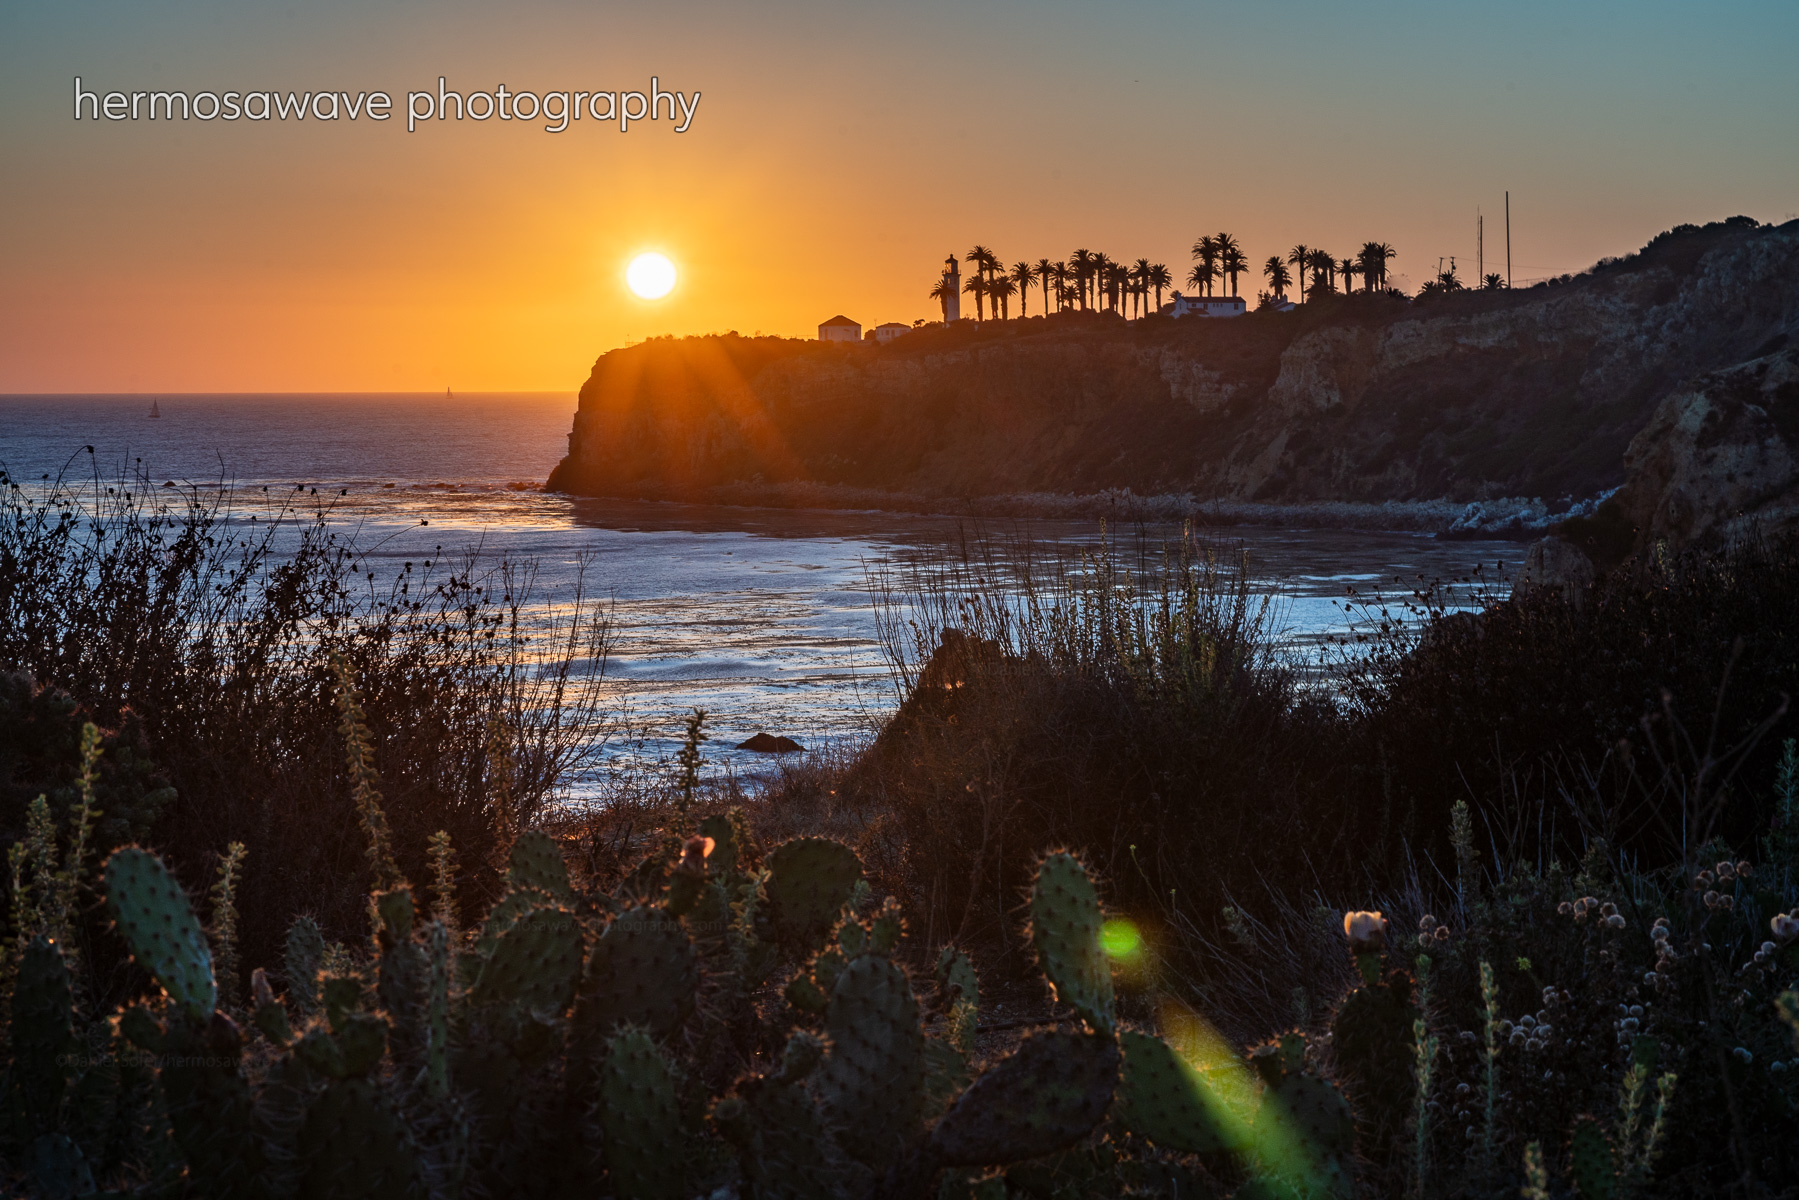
(1163, 1098)
(809, 880)
(640, 1113)
(1065, 932)
(153, 915)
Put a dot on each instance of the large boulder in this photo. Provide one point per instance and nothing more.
(1719, 457)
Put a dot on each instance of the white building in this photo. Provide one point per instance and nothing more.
(892, 329)
(840, 329)
(1207, 306)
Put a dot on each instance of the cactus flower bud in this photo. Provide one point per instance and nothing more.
(1366, 931)
(260, 989)
(693, 853)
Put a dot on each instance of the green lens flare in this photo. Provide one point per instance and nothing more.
(1120, 939)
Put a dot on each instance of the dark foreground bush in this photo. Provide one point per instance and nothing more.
(729, 1021)
(199, 625)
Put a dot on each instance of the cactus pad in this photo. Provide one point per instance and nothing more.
(640, 1113)
(1591, 1161)
(644, 971)
(305, 951)
(1065, 928)
(1048, 1094)
(154, 917)
(43, 1032)
(536, 963)
(355, 1147)
(872, 1083)
(1162, 1098)
(536, 865)
(1317, 1111)
(809, 880)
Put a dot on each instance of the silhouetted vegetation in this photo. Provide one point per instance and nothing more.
(198, 626)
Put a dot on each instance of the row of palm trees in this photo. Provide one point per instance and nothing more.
(1087, 280)
(1318, 270)
(1090, 279)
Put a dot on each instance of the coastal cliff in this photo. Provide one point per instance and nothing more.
(1467, 398)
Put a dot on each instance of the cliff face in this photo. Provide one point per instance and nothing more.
(1532, 393)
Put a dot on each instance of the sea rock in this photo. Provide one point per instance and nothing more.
(764, 743)
(1719, 457)
(1553, 563)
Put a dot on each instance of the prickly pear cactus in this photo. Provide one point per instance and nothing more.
(872, 1084)
(536, 864)
(305, 953)
(1065, 929)
(1048, 1094)
(535, 964)
(809, 881)
(640, 1114)
(644, 971)
(154, 917)
(783, 1149)
(43, 1032)
(1592, 1161)
(355, 1147)
(1371, 1044)
(210, 1106)
(1162, 1098)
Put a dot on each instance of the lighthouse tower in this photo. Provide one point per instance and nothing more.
(952, 299)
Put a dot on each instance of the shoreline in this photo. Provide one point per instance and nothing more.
(1518, 518)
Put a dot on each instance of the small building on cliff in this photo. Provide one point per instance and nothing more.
(1207, 306)
(840, 329)
(892, 329)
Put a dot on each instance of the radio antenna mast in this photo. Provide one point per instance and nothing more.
(1508, 239)
(1480, 245)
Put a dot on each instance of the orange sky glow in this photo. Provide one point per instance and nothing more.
(836, 156)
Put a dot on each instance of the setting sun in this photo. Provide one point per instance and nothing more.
(651, 276)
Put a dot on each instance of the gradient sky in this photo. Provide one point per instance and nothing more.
(839, 152)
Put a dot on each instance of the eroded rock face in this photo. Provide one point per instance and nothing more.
(1533, 394)
(1719, 456)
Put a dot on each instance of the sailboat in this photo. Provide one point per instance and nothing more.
(447, 395)
(155, 411)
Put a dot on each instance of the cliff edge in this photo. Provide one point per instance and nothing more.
(1559, 391)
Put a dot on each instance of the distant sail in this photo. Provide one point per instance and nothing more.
(155, 411)
(447, 395)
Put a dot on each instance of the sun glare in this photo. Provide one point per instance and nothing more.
(651, 276)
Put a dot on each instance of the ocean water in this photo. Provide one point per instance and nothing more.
(766, 618)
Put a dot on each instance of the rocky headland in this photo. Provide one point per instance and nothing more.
(1665, 381)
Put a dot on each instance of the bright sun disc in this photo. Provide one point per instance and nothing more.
(651, 276)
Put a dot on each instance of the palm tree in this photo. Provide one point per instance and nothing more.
(1323, 264)
(942, 293)
(1063, 275)
(1278, 275)
(1159, 278)
(1374, 263)
(1023, 275)
(1044, 270)
(976, 287)
(1349, 267)
(1231, 260)
(1300, 257)
(1206, 251)
(1492, 282)
(1200, 277)
(1081, 265)
(1140, 276)
(1001, 288)
(1101, 268)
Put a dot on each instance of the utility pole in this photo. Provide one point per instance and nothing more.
(1480, 246)
(1508, 239)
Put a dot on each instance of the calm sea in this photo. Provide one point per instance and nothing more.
(763, 617)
